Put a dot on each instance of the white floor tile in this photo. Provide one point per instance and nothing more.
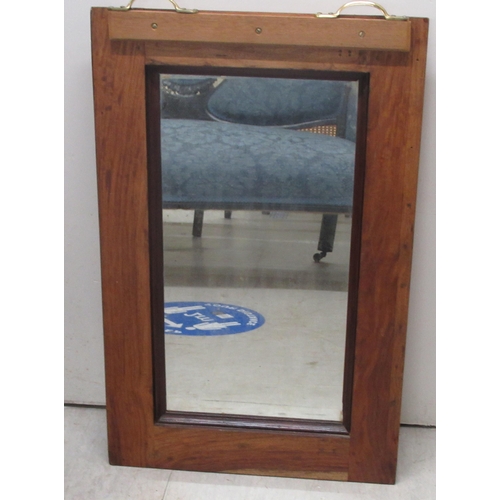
(88, 476)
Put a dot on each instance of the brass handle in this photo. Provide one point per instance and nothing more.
(363, 4)
(176, 7)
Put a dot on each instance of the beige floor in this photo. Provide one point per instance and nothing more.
(88, 475)
(254, 250)
(292, 366)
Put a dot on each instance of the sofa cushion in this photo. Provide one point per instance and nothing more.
(273, 101)
(222, 163)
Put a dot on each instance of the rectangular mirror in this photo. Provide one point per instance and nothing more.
(257, 190)
(257, 180)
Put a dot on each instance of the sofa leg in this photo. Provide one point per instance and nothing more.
(198, 223)
(326, 236)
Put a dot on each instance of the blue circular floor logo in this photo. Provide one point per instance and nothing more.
(209, 318)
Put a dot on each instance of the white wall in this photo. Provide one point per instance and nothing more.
(84, 358)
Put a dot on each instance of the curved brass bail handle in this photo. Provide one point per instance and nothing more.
(176, 7)
(363, 4)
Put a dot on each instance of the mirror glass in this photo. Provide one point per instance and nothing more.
(257, 196)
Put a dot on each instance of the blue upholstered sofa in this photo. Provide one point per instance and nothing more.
(259, 143)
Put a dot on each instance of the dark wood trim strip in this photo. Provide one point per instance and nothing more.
(253, 422)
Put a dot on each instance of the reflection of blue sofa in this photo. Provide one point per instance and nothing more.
(248, 143)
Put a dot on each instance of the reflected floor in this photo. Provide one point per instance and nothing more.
(253, 249)
(292, 366)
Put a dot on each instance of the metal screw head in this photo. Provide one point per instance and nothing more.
(154, 26)
(361, 34)
(258, 31)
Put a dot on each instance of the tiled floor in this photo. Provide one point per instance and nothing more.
(88, 476)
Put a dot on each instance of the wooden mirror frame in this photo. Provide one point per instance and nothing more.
(393, 54)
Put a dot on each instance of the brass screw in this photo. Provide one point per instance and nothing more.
(154, 26)
(361, 34)
(258, 31)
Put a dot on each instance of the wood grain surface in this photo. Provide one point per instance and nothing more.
(136, 435)
(261, 29)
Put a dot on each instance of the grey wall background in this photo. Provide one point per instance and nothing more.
(83, 351)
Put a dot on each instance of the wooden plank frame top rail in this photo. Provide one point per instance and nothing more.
(136, 436)
(263, 29)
